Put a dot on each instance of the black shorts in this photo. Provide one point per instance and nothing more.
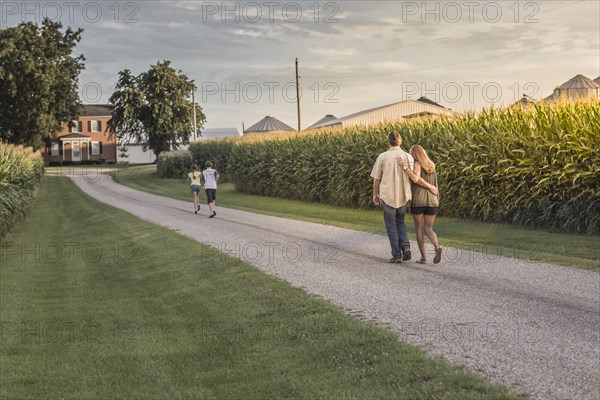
(211, 195)
(423, 210)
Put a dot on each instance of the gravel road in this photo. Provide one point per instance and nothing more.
(532, 326)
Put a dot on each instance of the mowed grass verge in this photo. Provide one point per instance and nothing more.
(96, 303)
(580, 251)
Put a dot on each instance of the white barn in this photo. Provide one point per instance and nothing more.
(135, 154)
(403, 110)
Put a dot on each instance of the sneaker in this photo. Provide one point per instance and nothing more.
(396, 260)
(212, 215)
(198, 207)
(406, 253)
(195, 211)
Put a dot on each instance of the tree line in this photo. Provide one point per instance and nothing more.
(39, 79)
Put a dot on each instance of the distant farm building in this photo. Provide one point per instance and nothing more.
(134, 153)
(85, 139)
(525, 102)
(218, 133)
(323, 121)
(578, 87)
(403, 110)
(268, 124)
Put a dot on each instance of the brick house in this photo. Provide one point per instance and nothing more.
(85, 138)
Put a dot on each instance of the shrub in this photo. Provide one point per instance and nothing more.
(174, 164)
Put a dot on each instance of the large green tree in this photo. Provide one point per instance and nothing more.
(38, 81)
(154, 108)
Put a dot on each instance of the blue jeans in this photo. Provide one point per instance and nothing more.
(395, 227)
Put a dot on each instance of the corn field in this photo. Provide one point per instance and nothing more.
(21, 172)
(537, 167)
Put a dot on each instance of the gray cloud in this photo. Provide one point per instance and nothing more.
(371, 53)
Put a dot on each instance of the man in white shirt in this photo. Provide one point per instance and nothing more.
(391, 190)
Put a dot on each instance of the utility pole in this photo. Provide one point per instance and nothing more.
(194, 105)
(298, 94)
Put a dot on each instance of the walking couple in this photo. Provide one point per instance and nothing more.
(393, 172)
(209, 177)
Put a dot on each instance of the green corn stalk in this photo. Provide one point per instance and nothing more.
(21, 172)
(537, 167)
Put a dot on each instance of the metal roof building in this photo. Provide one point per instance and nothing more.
(524, 102)
(268, 124)
(323, 121)
(216, 133)
(577, 87)
(407, 109)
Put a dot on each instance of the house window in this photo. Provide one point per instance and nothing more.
(74, 126)
(95, 126)
(95, 148)
(55, 149)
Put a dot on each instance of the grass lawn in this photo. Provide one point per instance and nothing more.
(497, 239)
(98, 304)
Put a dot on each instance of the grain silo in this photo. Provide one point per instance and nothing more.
(578, 87)
(268, 124)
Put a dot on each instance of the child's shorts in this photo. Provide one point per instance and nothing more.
(424, 210)
(211, 195)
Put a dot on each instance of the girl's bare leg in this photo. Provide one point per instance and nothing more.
(429, 219)
(418, 220)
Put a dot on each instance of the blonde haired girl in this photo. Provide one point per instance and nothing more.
(425, 199)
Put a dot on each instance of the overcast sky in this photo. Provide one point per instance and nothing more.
(353, 55)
